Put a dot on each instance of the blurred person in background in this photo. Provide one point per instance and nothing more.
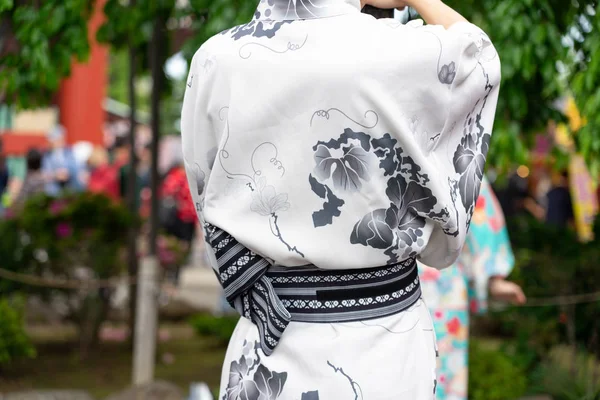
(144, 164)
(178, 211)
(4, 178)
(143, 173)
(104, 177)
(486, 260)
(35, 179)
(3, 170)
(559, 211)
(60, 165)
(120, 153)
(514, 197)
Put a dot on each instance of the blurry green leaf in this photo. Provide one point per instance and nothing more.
(46, 36)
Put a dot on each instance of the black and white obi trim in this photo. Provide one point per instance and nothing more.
(273, 296)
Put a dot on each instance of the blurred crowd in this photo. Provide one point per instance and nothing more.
(83, 167)
(545, 194)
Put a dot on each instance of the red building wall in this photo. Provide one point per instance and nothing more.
(82, 94)
(80, 99)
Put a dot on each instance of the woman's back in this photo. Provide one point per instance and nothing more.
(341, 134)
(327, 150)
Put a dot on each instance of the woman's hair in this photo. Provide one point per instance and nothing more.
(34, 160)
(378, 12)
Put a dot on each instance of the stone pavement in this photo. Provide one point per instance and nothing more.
(47, 395)
(198, 288)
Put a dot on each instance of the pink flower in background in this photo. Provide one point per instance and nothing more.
(161, 242)
(63, 230)
(9, 213)
(166, 257)
(114, 334)
(56, 207)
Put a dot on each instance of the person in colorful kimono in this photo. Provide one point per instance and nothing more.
(326, 151)
(487, 259)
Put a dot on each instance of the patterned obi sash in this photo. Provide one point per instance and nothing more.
(272, 296)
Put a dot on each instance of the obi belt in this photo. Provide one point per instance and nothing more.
(272, 296)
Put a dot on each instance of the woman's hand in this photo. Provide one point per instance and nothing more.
(501, 289)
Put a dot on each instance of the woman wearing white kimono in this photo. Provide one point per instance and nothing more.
(326, 151)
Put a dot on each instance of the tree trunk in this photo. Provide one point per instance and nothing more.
(157, 75)
(132, 235)
(93, 312)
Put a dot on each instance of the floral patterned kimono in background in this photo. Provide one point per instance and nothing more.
(325, 151)
(453, 292)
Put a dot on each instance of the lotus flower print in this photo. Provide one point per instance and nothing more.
(266, 201)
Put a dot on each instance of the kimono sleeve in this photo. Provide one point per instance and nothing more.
(198, 134)
(469, 75)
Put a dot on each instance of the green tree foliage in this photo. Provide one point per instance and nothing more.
(530, 38)
(14, 343)
(493, 375)
(61, 238)
(126, 25)
(585, 83)
(213, 16)
(38, 41)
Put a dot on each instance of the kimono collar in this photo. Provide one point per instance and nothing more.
(288, 10)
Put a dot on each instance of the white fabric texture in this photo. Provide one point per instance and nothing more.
(343, 142)
(318, 135)
(392, 358)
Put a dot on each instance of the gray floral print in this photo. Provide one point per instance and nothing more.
(250, 380)
(397, 229)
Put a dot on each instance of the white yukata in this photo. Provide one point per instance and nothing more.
(316, 135)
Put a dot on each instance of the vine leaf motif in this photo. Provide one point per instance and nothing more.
(470, 163)
(250, 380)
(452, 230)
(257, 29)
(470, 154)
(348, 170)
(200, 179)
(269, 383)
(327, 113)
(344, 139)
(358, 394)
(313, 395)
(331, 207)
(447, 73)
(375, 229)
(245, 53)
(384, 150)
